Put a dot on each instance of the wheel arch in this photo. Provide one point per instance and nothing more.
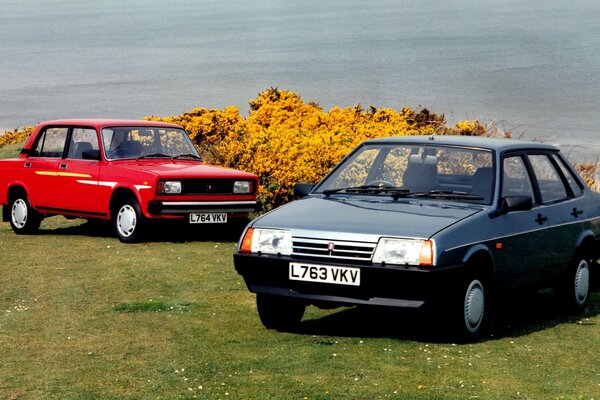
(117, 196)
(13, 190)
(478, 259)
(588, 245)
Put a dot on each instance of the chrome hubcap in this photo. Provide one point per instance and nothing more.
(19, 213)
(582, 282)
(126, 220)
(474, 306)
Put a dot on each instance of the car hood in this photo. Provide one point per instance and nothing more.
(363, 215)
(182, 169)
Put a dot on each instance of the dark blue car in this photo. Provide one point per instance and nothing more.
(414, 222)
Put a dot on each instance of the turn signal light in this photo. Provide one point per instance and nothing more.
(246, 246)
(426, 257)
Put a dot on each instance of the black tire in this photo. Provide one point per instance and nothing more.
(24, 220)
(574, 289)
(128, 220)
(278, 312)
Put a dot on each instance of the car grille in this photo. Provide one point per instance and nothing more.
(335, 249)
(207, 186)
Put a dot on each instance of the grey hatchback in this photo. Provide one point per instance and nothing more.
(436, 221)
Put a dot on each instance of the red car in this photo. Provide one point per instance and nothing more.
(128, 172)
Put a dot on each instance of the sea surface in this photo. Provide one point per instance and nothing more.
(532, 66)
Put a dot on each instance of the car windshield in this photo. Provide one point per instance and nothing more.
(147, 142)
(419, 171)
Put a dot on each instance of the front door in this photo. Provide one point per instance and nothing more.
(41, 168)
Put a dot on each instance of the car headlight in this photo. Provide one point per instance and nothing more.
(404, 252)
(169, 187)
(267, 241)
(243, 187)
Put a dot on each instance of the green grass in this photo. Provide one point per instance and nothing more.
(10, 151)
(83, 316)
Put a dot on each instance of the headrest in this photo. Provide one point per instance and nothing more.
(426, 160)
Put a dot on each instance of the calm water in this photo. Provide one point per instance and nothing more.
(531, 66)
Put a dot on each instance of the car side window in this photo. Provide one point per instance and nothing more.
(51, 143)
(548, 179)
(516, 181)
(82, 139)
(573, 182)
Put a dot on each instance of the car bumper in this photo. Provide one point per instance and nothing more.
(403, 287)
(157, 207)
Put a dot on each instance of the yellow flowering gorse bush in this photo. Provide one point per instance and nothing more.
(285, 140)
(15, 137)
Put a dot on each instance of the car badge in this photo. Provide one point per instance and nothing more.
(330, 247)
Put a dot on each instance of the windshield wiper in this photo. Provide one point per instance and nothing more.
(395, 191)
(190, 155)
(154, 155)
(447, 194)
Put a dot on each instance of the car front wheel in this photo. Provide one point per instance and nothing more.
(23, 218)
(128, 221)
(278, 312)
(471, 309)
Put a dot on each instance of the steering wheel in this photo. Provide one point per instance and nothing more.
(380, 183)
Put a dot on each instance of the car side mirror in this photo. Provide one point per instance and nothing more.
(91, 155)
(302, 190)
(515, 203)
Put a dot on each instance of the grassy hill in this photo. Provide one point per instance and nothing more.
(83, 316)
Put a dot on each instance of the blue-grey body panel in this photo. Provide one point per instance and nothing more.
(531, 246)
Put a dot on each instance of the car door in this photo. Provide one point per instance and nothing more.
(78, 173)
(560, 215)
(41, 167)
(517, 234)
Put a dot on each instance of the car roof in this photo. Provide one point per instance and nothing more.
(497, 144)
(100, 123)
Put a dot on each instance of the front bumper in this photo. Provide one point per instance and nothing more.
(158, 207)
(404, 287)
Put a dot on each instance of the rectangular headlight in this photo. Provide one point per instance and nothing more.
(404, 252)
(170, 187)
(271, 241)
(242, 187)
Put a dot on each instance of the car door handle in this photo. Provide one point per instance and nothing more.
(576, 213)
(541, 219)
(62, 166)
(27, 165)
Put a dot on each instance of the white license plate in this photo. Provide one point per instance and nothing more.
(325, 274)
(208, 218)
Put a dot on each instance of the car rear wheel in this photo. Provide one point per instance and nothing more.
(575, 289)
(128, 221)
(278, 312)
(23, 218)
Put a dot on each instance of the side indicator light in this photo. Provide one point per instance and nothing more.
(499, 246)
(426, 256)
(246, 246)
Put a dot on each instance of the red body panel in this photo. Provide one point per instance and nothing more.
(84, 187)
